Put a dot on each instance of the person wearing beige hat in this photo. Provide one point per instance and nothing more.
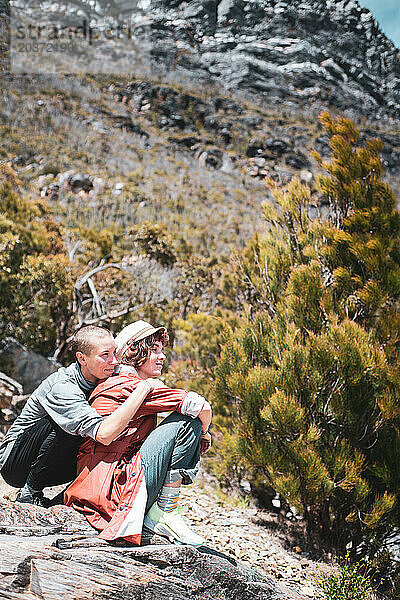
(40, 448)
(135, 479)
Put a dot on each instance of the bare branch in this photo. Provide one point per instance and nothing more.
(101, 267)
(106, 317)
(96, 300)
(150, 284)
(74, 249)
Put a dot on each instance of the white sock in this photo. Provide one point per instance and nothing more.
(169, 495)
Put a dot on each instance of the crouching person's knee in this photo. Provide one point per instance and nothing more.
(196, 424)
(191, 424)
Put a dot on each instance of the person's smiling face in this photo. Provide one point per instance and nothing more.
(153, 365)
(101, 362)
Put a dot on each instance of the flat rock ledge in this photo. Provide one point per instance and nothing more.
(53, 553)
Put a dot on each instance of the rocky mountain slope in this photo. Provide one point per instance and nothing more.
(323, 52)
(180, 121)
(179, 124)
(110, 151)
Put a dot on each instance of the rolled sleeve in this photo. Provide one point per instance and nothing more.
(193, 404)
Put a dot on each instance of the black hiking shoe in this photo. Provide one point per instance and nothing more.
(27, 497)
(57, 500)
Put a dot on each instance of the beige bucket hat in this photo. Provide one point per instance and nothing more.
(133, 333)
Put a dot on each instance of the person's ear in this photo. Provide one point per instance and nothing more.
(81, 358)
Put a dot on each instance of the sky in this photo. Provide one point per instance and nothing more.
(387, 13)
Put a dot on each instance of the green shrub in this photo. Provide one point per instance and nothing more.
(311, 381)
(352, 582)
(35, 272)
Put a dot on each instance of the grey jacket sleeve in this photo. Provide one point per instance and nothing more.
(68, 407)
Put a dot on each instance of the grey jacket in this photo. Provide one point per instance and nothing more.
(63, 396)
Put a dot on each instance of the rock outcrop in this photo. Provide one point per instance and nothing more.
(324, 51)
(52, 554)
(11, 401)
(5, 61)
(26, 366)
(328, 51)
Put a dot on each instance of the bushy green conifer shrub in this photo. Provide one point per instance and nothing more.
(311, 381)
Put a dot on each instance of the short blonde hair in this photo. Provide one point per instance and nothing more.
(86, 337)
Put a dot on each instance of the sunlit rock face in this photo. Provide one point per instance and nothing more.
(4, 36)
(326, 51)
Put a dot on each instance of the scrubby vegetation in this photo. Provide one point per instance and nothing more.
(35, 281)
(310, 382)
(352, 582)
(289, 323)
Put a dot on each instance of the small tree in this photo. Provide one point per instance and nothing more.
(35, 274)
(155, 241)
(361, 249)
(311, 380)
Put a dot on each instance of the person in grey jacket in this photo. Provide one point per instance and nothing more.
(40, 448)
